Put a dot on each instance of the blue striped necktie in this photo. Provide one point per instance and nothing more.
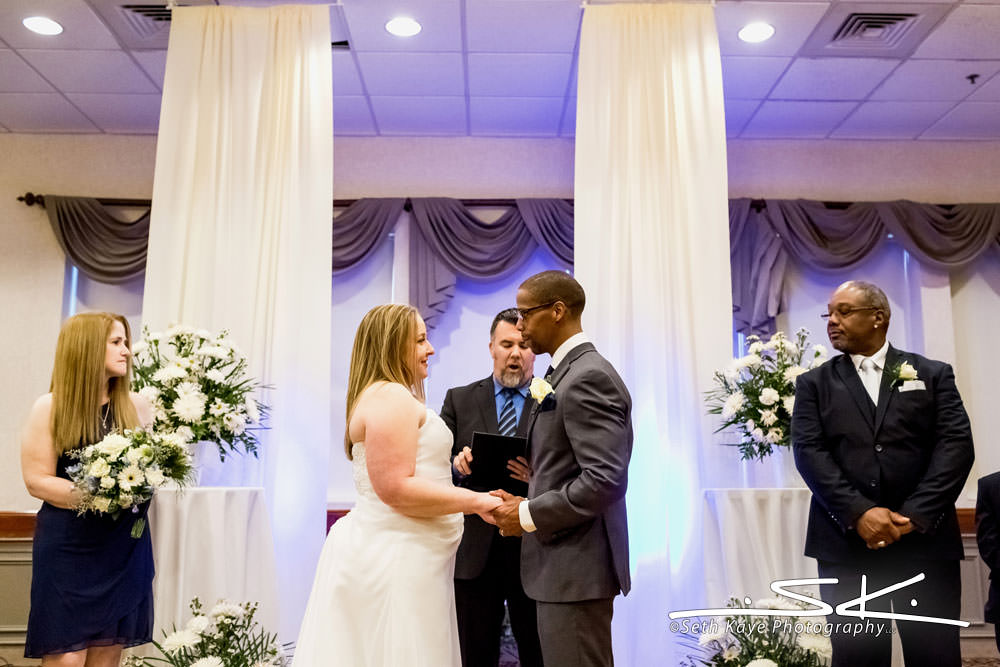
(508, 415)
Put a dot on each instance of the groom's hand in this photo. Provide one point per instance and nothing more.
(506, 516)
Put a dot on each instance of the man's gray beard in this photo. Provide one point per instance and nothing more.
(512, 379)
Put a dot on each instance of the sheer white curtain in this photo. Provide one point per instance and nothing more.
(652, 252)
(240, 239)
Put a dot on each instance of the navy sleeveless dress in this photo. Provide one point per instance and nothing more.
(91, 581)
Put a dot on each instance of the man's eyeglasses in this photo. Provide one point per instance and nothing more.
(524, 312)
(844, 312)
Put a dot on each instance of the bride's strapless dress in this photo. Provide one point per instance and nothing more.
(384, 592)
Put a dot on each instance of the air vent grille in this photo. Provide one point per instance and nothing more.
(873, 30)
(146, 20)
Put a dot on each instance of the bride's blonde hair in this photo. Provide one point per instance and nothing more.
(384, 350)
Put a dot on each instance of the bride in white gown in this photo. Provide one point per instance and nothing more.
(383, 593)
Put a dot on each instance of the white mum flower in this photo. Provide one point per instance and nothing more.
(762, 662)
(190, 407)
(235, 422)
(758, 435)
(175, 439)
(210, 661)
(180, 639)
(139, 454)
(715, 632)
(749, 361)
(774, 436)
(130, 477)
(731, 652)
(756, 347)
(168, 373)
(769, 396)
(253, 412)
(99, 468)
(750, 425)
(216, 375)
(793, 372)
(218, 408)
(733, 403)
(777, 603)
(789, 403)
(139, 347)
(224, 608)
(816, 643)
(150, 393)
(198, 624)
(768, 417)
(819, 351)
(214, 351)
(178, 330)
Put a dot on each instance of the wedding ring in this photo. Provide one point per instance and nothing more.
(880, 543)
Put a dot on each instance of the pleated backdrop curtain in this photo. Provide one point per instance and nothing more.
(240, 239)
(652, 253)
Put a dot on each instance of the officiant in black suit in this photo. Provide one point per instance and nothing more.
(882, 439)
(487, 567)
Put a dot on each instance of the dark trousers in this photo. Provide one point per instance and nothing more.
(480, 603)
(868, 642)
(576, 634)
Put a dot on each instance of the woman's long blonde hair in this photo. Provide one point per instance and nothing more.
(384, 350)
(78, 382)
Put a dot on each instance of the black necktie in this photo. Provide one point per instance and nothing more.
(548, 373)
(508, 415)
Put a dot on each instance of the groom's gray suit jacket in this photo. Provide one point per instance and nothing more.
(580, 442)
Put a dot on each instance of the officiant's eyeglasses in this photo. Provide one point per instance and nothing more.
(524, 312)
(844, 312)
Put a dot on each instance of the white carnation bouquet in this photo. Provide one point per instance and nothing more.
(123, 470)
(199, 388)
(756, 393)
(225, 636)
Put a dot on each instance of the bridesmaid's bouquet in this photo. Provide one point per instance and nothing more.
(123, 470)
(200, 388)
(224, 636)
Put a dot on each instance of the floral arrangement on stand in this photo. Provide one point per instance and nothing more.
(199, 388)
(225, 636)
(764, 641)
(123, 470)
(755, 395)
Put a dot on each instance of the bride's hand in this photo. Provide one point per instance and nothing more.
(487, 504)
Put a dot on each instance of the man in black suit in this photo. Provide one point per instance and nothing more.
(487, 568)
(574, 555)
(988, 537)
(883, 441)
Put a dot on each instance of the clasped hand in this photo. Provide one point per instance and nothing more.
(879, 527)
(506, 516)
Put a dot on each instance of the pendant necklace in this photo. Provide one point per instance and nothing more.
(105, 413)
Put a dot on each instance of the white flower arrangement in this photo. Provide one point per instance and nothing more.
(198, 386)
(226, 636)
(123, 470)
(756, 394)
(742, 641)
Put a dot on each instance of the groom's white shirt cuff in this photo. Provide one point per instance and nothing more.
(524, 516)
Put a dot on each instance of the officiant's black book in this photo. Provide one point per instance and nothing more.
(490, 453)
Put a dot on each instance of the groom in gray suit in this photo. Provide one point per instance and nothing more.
(574, 555)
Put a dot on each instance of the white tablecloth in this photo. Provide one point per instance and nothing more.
(211, 542)
(751, 538)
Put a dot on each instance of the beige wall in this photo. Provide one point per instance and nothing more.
(32, 264)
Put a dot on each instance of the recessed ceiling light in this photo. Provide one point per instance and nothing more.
(43, 25)
(403, 26)
(756, 32)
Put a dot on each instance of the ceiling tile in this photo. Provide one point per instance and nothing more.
(440, 21)
(17, 77)
(969, 31)
(969, 120)
(988, 92)
(501, 26)
(420, 115)
(155, 64)
(751, 77)
(82, 27)
(120, 114)
(832, 78)
(568, 126)
(345, 74)
(434, 74)
(738, 112)
(90, 71)
(513, 116)
(41, 112)
(351, 116)
(806, 120)
(935, 80)
(519, 74)
(891, 120)
(792, 21)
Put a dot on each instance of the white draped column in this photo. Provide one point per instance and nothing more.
(240, 238)
(652, 253)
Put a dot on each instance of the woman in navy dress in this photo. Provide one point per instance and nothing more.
(92, 582)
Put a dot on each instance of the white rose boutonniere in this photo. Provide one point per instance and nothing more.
(540, 390)
(906, 372)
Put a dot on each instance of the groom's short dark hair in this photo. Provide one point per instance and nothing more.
(552, 286)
